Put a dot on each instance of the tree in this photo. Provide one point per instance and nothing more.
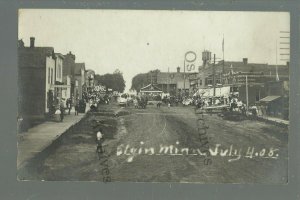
(114, 81)
(139, 81)
(117, 71)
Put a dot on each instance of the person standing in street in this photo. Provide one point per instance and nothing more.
(76, 107)
(99, 140)
(243, 109)
(62, 111)
(69, 105)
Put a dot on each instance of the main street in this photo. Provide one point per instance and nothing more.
(134, 131)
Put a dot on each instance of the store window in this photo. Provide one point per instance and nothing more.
(51, 80)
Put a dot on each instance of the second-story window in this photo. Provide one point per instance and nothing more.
(58, 73)
(51, 80)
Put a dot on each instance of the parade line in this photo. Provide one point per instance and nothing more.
(233, 153)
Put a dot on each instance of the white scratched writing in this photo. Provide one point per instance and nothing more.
(233, 153)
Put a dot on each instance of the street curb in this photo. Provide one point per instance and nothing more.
(111, 113)
(273, 122)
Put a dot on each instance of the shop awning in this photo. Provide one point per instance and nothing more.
(269, 98)
(60, 86)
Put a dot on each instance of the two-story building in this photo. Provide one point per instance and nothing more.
(174, 83)
(36, 78)
(239, 75)
(68, 74)
(79, 75)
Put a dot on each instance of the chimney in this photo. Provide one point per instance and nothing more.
(178, 69)
(32, 42)
(245, 61)
(71, 55)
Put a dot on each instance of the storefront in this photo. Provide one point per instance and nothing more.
(272, 106)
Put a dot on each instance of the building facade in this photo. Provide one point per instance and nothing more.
(79, 75)
(89, 79)
(68, 71)
(173, 83)
(36, 77)
(239, 75)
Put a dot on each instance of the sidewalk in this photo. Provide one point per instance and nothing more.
(274, 120)
(37, 138)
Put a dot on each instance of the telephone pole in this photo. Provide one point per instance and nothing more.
(247, 100)
(184, 75)
(214, 73)
(223, 67)
(168, 81)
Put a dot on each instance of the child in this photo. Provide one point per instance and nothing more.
(99, 141)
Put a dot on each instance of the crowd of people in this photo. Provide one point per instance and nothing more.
(140, 102)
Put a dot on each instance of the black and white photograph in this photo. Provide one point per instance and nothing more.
(179, 96)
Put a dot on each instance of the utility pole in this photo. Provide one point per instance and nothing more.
(277, 77)
(168, 81)
(247, 101)
(214, 74)
(223, 67)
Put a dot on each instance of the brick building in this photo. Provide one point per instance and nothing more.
(36, 79)
(68, 71)
(170, 82)
(59, 86)
(79, 76)
(233, 73)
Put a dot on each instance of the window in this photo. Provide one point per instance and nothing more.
(51, 80)
(58, 73)
(257, 96)
(208, 82)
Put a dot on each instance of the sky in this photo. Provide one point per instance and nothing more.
(137, 41)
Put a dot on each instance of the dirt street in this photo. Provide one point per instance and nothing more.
(163, 145)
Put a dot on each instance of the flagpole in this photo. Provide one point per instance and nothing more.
(168, 85)
(277, 77)
(247, 100)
